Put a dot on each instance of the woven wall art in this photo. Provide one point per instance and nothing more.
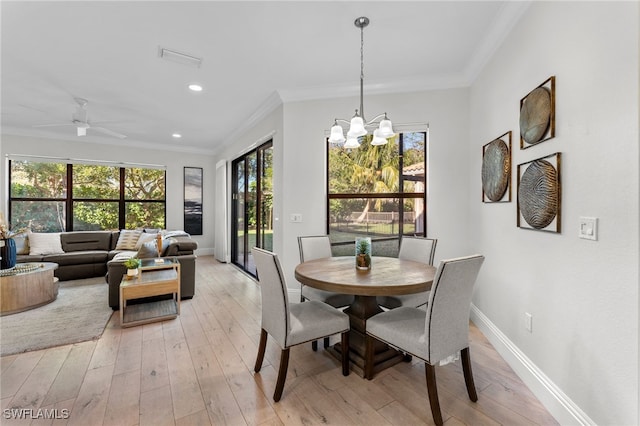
(539, 194)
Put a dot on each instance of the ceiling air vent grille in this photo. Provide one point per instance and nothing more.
(179, 57)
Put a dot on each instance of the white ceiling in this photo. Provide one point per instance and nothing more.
(255, 56)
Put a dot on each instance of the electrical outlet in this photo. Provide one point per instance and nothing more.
(295, 217)
(528, 322)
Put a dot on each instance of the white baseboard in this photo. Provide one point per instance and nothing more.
(294, 295)
(561, 407)
(204, 251)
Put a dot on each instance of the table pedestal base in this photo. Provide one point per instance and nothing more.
(362, 308)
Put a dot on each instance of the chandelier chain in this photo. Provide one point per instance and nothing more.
(358, 125)
(363, 24)
(362, 53)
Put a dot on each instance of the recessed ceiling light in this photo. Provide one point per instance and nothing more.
(195, 87)
(177, 135)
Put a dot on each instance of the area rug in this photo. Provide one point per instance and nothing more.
(80, 313)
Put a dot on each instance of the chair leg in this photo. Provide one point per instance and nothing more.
(368, 361)
(432, 389)
(261, 349)
(345, 353)
(282, 374)
(326, 342)
(314, 344)
(468, 374)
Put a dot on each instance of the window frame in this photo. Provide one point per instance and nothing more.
(246, 263)
(69, 200)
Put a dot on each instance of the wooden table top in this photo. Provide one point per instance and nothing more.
(387, 276)
(28, 268)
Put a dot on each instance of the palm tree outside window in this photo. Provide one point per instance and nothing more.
(377, 191)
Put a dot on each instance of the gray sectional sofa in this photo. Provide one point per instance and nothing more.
(91, 254)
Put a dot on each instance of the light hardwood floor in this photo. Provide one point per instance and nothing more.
(198, 370)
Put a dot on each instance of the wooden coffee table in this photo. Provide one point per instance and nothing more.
(28, 288)
(154, 279)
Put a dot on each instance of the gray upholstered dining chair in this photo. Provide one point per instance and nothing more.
(292, 324)
(439, 332)
(419, 250)
(317, 247)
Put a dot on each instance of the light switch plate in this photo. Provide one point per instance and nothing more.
(295, 217)
(588, 228)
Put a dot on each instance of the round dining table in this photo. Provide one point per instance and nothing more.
(387, 276)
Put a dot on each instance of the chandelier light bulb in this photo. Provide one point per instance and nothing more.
(352, 142)
(337, 134)
(386, 128)
(377, 139)
(356, 128)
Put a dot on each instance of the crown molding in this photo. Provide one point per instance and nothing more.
(508, 16)
(270, 104)
(399, 85)
(126, 143)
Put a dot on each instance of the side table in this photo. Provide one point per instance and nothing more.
(157, 277)
(27, 286)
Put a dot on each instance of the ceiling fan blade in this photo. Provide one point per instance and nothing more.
(54, 125)
(109, 132)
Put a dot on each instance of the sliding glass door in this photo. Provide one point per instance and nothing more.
(252, 209)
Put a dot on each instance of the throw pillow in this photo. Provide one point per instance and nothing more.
(144, 237)
(128, 239)
(147, 250)
(150, 248)
(166, 242)
(22, 242)
(41, 243)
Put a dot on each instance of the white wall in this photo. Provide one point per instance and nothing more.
(175, 162)
(583, 294)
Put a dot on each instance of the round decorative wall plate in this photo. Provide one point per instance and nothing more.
(538, 195)
(535, 115)
(496, 170)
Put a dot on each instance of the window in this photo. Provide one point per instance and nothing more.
(54, 197)
(144, 198)
(377, 191)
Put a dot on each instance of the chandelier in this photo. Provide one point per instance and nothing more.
(358, 125)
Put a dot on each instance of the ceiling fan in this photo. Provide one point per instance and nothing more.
(80, 119)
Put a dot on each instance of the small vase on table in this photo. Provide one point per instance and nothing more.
(8, 254)
(363, 253)
(159, 248)
(133, 267)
